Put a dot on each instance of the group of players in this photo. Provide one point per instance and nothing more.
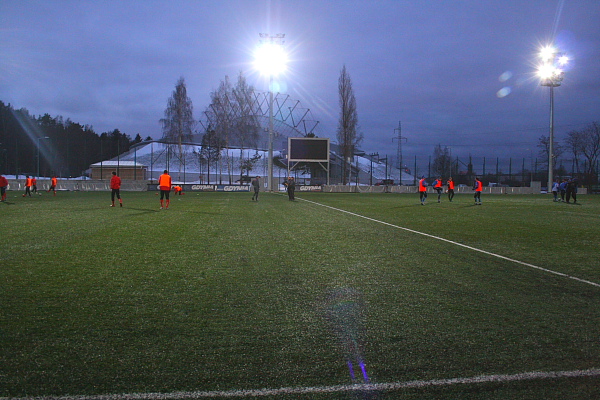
(567, 187)
(438, 186)
(30, 186)
(164, 185)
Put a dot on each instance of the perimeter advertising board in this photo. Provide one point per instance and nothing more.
(207, 188)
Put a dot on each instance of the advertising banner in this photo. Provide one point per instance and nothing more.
(207, 188)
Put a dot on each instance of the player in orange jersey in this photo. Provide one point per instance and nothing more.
(164, 184)
(28, 183)
(115, 186)
(53, 183)
(3, 186)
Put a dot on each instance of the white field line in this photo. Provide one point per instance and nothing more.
(371, 387)
(460, 244)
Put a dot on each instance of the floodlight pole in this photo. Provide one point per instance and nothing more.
(551, 144)
(270, 160)
(552, 77)
(551, 83)
(273, 39)
(400, 138)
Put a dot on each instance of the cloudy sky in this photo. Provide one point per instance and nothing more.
(458, 73)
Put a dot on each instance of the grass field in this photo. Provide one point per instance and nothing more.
(220, 293)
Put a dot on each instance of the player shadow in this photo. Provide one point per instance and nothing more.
(405, 206)
(141, 210)
(200, 212)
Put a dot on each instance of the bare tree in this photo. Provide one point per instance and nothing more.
(347, 134)
(574, 144)
(544, 146)
(221, 112)
(178, 123)
(442, 161)
(246, 125)
(586, 142)
(210, 151)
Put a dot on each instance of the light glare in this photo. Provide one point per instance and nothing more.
(547, 53)
(563, 60)
(546, 71)
(270, 59)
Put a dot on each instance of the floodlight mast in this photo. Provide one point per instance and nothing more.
(270, 40)
(551, 75)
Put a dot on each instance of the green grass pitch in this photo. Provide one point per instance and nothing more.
(220, 293)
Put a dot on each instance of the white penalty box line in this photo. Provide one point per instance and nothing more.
(365, 387)
(458, 244)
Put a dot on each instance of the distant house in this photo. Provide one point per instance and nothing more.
(125, 169)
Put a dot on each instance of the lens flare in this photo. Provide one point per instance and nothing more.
(345, 312)
(505, 91)
(505, 76)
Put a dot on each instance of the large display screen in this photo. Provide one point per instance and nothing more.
(308, 149)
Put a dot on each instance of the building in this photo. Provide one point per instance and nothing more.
(125, 169)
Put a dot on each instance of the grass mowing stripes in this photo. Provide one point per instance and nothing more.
(221, 293)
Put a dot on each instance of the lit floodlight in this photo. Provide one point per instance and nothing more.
(270, 59)
(547, 53)
(545, 71)
(563, 60)
(551, 74)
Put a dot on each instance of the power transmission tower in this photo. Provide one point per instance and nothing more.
(399, 138)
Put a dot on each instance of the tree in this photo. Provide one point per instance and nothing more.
(248, 164)
(70, 149)
(137, 139)
(442, 161)
(178, 123)
(544, 146)
(210, 149)
(586, 143)
(347, 134)
(245, 121)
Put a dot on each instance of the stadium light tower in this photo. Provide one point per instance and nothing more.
(551, 73)
(38, 153)
(270, 59)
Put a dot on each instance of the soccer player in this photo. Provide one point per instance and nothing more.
(555, 190)
(422, 190)
(478, 187)
(53, 183)
(27, 186)
(291, 188)
(450, 189)
(164, 184)
(438, 185)
(115, 185)
(178, 190)
(34, 185)
(3, 186)
(256, 187)
(563, 189)
(572, 190)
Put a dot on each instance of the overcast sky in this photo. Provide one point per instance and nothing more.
(458, 73)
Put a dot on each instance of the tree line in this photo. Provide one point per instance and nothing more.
(66, 148)
(580, 148)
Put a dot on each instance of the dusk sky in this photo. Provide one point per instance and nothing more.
(458, 73)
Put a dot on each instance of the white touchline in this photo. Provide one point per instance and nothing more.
(459, 244)
(325, 389)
